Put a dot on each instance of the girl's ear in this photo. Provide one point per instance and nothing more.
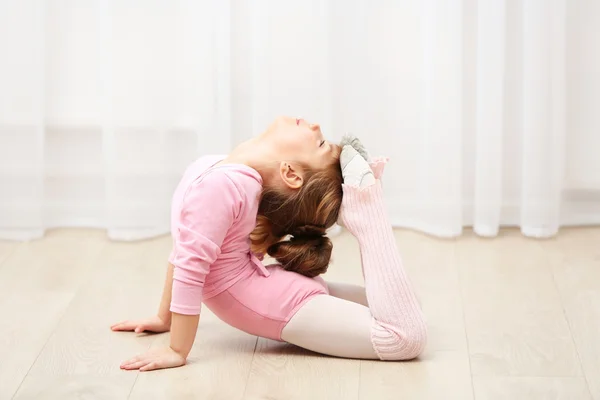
(290, 175)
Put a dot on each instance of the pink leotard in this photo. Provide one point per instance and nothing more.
(213, 212)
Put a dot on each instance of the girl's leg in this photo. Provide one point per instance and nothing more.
(393, 326)
(332, 326)
(348, 291)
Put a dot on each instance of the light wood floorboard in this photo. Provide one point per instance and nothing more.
(509, 318)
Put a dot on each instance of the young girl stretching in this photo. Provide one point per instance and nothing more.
(229, 211)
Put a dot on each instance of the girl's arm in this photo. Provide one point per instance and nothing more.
(159, 323)
(183, 333)
(163, 310)
(208, 210)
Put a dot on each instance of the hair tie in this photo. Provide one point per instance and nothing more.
(308, 232)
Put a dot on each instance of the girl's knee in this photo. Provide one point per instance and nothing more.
(398, 344)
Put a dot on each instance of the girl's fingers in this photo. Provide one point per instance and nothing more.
(135, 365)
(114, 326)
(131, 361)
(149, 367)
(124, 326)
(140, 329)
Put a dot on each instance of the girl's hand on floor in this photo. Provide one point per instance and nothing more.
(153, 324)
(153, 359)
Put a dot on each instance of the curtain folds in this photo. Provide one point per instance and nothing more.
(486, 108)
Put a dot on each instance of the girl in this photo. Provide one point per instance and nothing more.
(228, 212)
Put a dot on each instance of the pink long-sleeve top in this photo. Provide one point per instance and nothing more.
(213, 212)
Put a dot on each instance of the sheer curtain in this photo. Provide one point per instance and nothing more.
(487, 108)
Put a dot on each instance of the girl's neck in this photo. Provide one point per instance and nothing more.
(256, 154)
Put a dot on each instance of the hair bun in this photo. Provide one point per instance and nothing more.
(308, 232)
(308, 252)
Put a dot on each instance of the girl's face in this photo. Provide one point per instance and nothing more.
(299, 142)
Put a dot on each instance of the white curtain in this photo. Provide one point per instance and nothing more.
(488, 109)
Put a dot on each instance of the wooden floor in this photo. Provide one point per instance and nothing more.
(510, 318)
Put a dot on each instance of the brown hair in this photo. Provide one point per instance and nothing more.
(305, 214)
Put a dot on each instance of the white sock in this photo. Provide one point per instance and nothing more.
(355, 169)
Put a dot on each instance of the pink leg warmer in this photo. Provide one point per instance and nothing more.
(398, 328)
